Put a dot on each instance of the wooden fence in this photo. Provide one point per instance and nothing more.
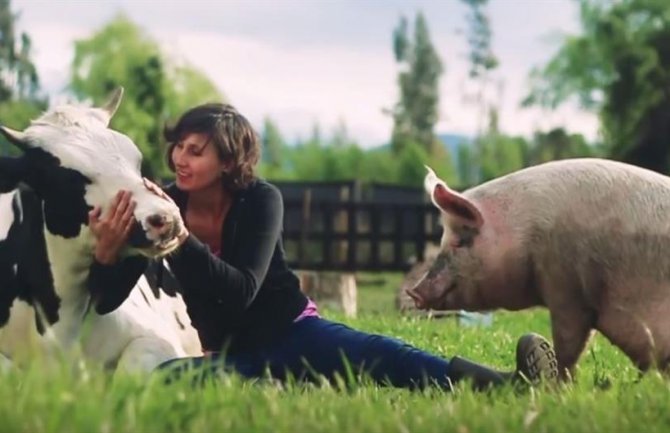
(345, 227)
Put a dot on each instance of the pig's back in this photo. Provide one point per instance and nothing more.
(591, 190)
(586, 215)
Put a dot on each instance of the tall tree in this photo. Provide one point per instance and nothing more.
(273, 148)
(618, 66)
(498, 154)
(19, 81)
(18, 76)
(558, 144)
(416, 112)
(121, 53)
(482, 63)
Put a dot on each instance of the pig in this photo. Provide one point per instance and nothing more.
(587, 238)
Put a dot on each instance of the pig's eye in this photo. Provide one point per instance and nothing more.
(465, 237)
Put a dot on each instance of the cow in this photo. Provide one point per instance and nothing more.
(71, 162)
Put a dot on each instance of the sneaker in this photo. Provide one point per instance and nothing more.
(536, 359)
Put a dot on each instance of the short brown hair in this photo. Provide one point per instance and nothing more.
(231, 133)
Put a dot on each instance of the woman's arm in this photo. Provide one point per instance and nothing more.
(234, 286)
(111, 279)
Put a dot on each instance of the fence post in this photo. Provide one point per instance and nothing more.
(328, 224)
(399, 238)
(304, 228)
(375, 259)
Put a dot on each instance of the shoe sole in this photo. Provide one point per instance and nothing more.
(536, 359)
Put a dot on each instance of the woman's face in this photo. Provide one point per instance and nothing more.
(196, 162)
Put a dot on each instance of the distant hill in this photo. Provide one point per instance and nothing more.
(452, 142)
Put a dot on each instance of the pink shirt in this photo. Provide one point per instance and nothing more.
(310, 310)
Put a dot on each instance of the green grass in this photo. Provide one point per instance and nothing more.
(606, 397)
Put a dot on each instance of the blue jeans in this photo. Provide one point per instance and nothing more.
(316, 347)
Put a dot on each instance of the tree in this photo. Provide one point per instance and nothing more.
(482, 63)
(18, 75)
(618, 66)
(416, 112)
(498, 153)
(156, 90)
(19, 81)
(558, 144)
(272, 149)
(340, 137)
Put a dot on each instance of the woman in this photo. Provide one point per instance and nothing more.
(242, 298)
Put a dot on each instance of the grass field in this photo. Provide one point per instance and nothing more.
(608, 396)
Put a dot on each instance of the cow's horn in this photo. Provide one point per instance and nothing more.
(114, 101)
(17, 138)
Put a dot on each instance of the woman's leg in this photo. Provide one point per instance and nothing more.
(319, 347)
(315, 348)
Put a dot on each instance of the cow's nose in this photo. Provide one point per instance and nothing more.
(157, 221)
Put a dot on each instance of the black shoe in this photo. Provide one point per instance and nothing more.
(536, 360)
(482, 377)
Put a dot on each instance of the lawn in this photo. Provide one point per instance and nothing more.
(607, 396)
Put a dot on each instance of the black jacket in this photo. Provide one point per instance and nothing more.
(237, 302)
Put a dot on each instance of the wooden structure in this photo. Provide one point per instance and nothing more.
(341, 226)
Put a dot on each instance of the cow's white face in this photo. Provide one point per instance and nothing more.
(75, 162)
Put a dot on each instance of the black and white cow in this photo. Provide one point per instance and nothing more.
(71, 161)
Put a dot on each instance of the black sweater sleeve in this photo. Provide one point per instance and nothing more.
(110, 285)
(256, 233)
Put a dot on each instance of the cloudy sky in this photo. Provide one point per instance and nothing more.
(326, 61)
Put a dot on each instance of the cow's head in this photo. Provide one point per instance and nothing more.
(74, 162)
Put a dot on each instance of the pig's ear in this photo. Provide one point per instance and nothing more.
(451, 202)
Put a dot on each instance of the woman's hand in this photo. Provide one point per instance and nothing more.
(112, 230)
(183, 233)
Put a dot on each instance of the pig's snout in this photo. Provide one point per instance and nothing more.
(418, 300)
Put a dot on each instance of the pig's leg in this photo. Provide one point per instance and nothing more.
(626, 330)
(571, 328)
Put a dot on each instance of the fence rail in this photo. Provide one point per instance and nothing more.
(356, 236)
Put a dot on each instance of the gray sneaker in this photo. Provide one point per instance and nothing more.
(536, 359)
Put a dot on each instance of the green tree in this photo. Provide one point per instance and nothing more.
(558, 144)
(340, 136)
(19, 81)
(618, 66)
(307, 158)
(273, 148)
(379, 165)
(18, 75)
(467, 165)
(416, 112)
(482, 64)
(499, 154)
(156, 90)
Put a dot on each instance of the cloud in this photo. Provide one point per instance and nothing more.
(53, 51)
(300, 64)
(298, 87)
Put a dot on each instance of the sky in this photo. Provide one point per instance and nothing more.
(325, 62)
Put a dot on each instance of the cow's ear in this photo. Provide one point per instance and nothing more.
(12, 171)
(17, 138)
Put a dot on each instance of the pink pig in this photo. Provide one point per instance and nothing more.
(587, 238)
